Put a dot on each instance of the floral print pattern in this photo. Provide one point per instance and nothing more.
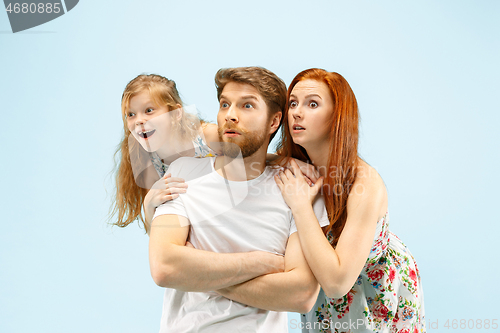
(386, 297)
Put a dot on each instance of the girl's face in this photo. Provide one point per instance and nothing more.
(309, 113)
(149, 124)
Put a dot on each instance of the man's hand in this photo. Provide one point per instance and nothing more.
(274, 263)
(293, 290)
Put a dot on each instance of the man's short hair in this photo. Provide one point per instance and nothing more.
(269, 85)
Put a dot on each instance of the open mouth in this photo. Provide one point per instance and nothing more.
(146, 134)
(297, 128)
(231, 133)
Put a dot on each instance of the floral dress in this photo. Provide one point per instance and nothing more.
(201, 149)
(386, 297)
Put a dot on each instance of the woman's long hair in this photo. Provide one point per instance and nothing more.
(130, 196)
(343, 142)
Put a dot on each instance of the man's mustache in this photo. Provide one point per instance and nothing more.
(231, 128)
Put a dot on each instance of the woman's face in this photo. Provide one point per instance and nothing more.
(309, 113)
(149, 124)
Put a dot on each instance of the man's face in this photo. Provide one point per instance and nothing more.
(242, 119)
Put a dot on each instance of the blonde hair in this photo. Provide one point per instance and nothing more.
(129, 195)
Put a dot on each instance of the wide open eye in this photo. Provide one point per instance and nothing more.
(313, 104)
(293, 104)
(224, 105)
(248, 106)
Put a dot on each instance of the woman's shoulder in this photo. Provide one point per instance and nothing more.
(368, 188)
(367, 175)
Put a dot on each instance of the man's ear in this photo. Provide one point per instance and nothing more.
(276, 122)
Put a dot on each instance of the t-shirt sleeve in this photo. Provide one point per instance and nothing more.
(176, 206)
(172, 207)
(319, 209)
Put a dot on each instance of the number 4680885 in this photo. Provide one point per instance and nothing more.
(33, 8)
(471, 324)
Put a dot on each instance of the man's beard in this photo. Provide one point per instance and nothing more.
(248, 143)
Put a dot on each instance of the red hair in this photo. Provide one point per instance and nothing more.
(343, 142)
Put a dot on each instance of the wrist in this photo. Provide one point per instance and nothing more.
(256, 262)
(301, 207)
(148, 203)
(223, 291)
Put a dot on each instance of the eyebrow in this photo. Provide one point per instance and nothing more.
(250, 97)
(147, 105)
(243, 97)
(308, 96)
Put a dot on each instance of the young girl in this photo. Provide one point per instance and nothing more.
(369, 279)
(157, 130)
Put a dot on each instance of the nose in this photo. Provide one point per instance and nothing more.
(296, 112)
(231, 114)
(140, 120)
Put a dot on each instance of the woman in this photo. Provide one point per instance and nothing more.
(369, 279)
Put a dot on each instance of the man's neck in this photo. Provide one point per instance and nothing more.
(237, 169)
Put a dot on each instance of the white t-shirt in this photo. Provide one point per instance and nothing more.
(227, 217)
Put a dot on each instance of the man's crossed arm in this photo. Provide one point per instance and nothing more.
(174, 265)
(294, 290)
(258, 279)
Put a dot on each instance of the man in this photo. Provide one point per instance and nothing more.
(235, 278)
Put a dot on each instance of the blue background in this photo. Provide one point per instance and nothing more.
(426, 77)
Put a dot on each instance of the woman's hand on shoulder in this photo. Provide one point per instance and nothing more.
(295, 188)
(165, 189)
(310, 173)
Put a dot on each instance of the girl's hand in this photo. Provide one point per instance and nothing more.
(310, 173)
(294, 187)
(165, 189)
